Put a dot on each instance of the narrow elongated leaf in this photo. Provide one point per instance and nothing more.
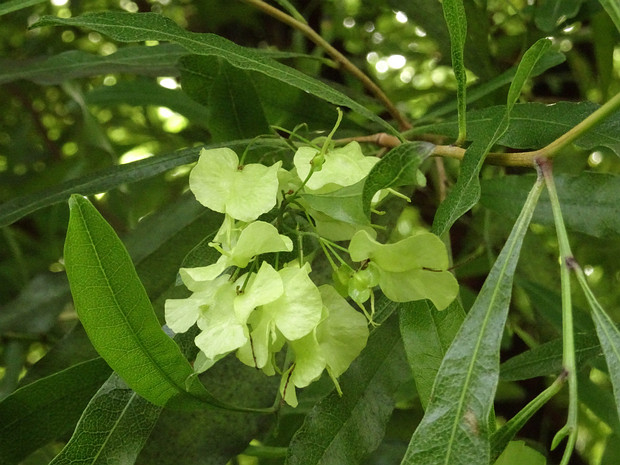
(454, 13)
(589, 201)
(136, 27)
(455, 427)
(546, 359)
(14, 5)
(548, 303)
(107, 179)
(466, 192)
(608, 335)
(534, 125)
(117, 314)
(397, 168)
(47, 408)
(345, 429)
(427, 335)
(550, 59)
(113, 428)
(158, 60)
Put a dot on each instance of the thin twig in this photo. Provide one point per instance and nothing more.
(336, 55)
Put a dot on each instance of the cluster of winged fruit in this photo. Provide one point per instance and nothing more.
(254, 302)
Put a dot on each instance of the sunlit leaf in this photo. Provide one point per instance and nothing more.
(117, 314)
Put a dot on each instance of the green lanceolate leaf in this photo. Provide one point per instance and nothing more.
(608, 335)
(118, 317)
(546, 359)
(113, 427)
(213, 439)
(343, 430)
(455, 428)
(397, 168)
(466, 192)
(159, 60)
(47, 408)
(589, 201)
(107, 179)
(454, 13)
(136, 27)
(534, 125)
(14, 5)
(427, 335)
(550, 59)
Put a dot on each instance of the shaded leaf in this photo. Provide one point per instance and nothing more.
(136, 27)
(589, 201)
(213, 437)
(14, 5)
(143, 93)
(109, 178)
(427, 335)
(546, 359)
(47, 408)
(113, 427)
(455, 428)
(550, 14)
(454, 13)
(158, 60)
(534, 125)
(345, 429)
(396, 168)
(608, 335)
(235, 110)
(35, 310)
(548, 60)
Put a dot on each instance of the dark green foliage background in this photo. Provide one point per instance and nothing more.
(78, 92)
